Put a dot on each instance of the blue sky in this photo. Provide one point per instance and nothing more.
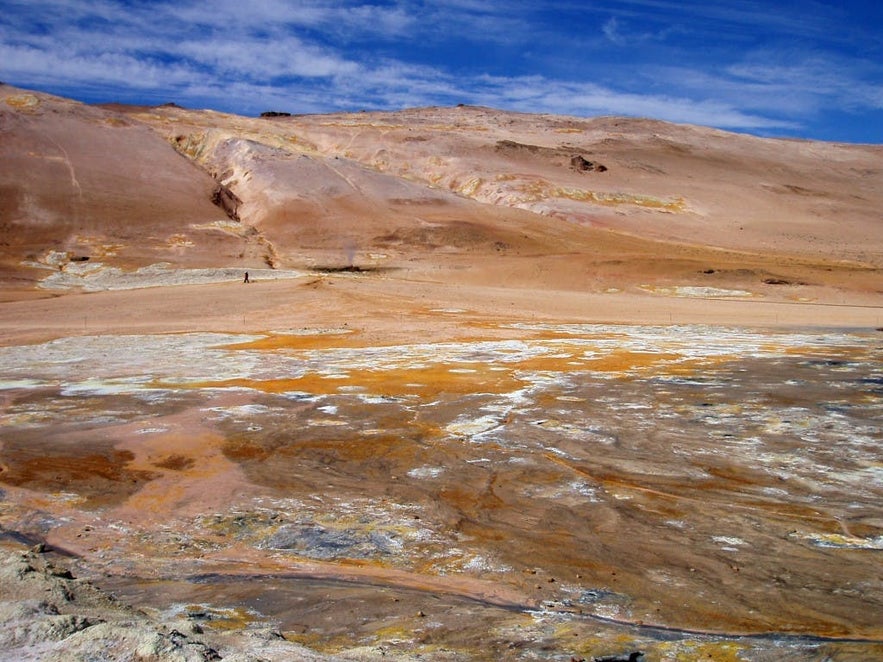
(800, 68)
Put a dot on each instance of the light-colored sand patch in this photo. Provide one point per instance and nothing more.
(9, 384)
(841, 541)
(96, 276)
(426, 472)
(470, 427)
(697, 292)
(227, 226)
(24, 102)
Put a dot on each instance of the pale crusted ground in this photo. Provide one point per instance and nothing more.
(517, 483)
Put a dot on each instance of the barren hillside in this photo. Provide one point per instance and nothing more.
(485, 196)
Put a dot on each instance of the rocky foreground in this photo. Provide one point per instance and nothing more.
(46, 613)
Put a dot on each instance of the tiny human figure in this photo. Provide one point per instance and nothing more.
(245, 280)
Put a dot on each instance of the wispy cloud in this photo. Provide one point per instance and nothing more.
(620, 34)
(541, 95)
(807, 19)
(611, 31)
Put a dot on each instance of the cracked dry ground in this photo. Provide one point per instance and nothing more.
(534, 492)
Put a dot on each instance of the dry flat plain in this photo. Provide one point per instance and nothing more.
(501, 386)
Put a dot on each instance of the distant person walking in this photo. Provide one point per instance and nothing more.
(246, 280)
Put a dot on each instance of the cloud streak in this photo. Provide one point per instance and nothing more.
(651, 58)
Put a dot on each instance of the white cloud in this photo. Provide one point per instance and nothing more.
(252, 59)
(101, 68)
(818, 80)
(237, 15)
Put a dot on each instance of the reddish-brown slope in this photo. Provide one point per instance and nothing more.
(92, 183)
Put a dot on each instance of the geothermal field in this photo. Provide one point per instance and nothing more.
(499, 387)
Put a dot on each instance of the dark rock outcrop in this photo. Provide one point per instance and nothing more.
(224, 198)
(556, 155)
(628, 657)
(581, 164)
(508, 145)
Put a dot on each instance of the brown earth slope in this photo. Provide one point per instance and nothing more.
(84, 184)
(469, 195)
